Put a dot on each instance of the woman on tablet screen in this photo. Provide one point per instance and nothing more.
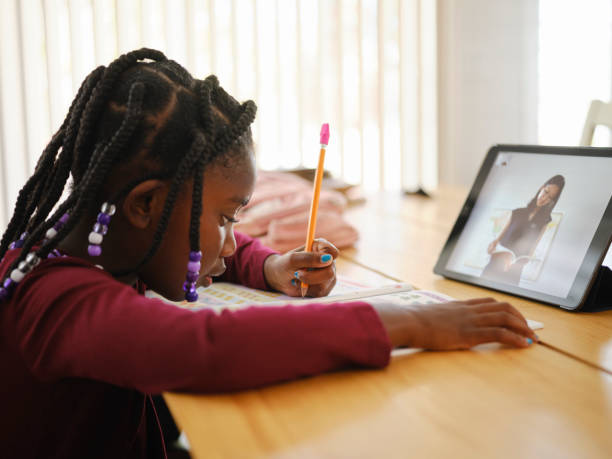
(516, 243)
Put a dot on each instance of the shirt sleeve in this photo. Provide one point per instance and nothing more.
(246, 265)
(101, 329)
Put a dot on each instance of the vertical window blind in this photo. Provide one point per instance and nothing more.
(366, 67)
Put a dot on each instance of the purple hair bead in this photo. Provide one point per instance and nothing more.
(193, 266)
(7, 283)
(193, 272)
(61, 222)
(103, 218)
(191, 295)
(100, 229)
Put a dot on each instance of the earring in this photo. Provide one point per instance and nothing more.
(193, 272)
(100, 229)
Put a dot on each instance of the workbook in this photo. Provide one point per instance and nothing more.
(224, 295)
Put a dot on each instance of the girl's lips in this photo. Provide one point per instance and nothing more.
(204, 281)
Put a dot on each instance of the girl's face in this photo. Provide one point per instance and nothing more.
(547, 194)
(225, 191)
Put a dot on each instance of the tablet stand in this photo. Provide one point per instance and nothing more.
(600, 295)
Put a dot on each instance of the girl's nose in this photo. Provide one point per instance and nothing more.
(229, 244)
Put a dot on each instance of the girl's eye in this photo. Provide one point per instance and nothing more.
(227, 220)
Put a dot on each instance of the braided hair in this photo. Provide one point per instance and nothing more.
(141, 109)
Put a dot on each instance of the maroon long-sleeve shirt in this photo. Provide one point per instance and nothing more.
(80, 351)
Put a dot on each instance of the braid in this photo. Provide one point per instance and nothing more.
(61, 170)
(205, 105)
(231, 134)
(95, 104)
(33, 190)
(17, 222)
(184, 170)
(81, 197)
(175, 132)
(196, 207)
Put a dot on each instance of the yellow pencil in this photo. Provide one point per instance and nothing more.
(314, 206)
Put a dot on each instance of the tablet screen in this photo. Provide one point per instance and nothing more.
(533, 220)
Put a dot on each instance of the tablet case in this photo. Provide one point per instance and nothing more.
(600, 296)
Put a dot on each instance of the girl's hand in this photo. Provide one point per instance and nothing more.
(492, 246)
(316, 268)
(454, 325)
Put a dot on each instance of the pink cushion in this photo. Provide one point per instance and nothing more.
(279, 209)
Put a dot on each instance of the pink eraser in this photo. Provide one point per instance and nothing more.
(324, 134)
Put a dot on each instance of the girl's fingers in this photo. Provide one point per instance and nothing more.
(323, 289)
(480, 300)
(317, 276)
(323, 245)
(498, 335)
(496, 307)
(506, 320)
(301, 260)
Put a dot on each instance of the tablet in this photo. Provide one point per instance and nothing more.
(537, 223)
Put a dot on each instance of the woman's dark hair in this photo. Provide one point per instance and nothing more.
(142, 110)
(543, 215)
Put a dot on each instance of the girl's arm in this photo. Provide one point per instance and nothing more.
(100, 329)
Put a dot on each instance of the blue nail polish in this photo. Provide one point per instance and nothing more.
(325, 258)
(529, 341)
(293, 282)
(296, 274)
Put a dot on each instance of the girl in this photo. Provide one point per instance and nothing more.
(160, 165)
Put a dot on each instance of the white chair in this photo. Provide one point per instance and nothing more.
(600, 113)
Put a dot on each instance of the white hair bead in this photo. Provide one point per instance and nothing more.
(51, 232)
(17, 276)
(32, 259)
(108, 209)
(95, 238)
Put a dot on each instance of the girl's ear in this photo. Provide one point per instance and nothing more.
(145, 202)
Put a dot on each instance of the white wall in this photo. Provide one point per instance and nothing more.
(488, 80)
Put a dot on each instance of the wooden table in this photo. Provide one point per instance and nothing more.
(402, 237)
(488, 402)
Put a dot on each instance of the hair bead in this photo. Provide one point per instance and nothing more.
(103, 219)
(193, 273)
(222, 120)
(17, 275)
(19, 242)
(52, 232)
(100, 229)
